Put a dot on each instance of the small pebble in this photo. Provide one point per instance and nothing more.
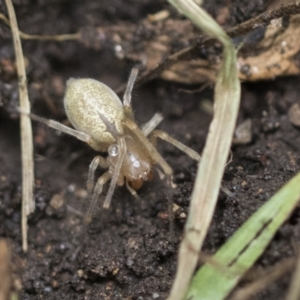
(57, 201)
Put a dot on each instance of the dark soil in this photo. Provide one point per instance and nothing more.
(125, 251)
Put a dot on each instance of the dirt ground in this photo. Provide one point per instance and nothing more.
(125, 252)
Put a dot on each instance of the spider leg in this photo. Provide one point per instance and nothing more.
(190, 152)
(58, 126)
(157, 158)
(131, 190)
(110, 127)
(97, 161)
(152, 124)
(164, 136)
(127, 95)
(97, 191)
(160, 173)
(116, 171)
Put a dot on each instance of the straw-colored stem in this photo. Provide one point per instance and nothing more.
(211, 168)
(56, 37)
(28, 204)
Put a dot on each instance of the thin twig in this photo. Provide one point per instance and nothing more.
(264, 19)
(57, 38)
(216, 150)
(28, 204)
(261, 20)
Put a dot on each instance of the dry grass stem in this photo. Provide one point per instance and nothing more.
(211, 169)
(57, 38)
(28, 204)
(5, 271)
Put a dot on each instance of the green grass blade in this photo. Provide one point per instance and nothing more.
(242, 250)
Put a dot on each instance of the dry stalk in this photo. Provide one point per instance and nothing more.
(57, 38)
(5, 271)
(28, 204)
(211, 168)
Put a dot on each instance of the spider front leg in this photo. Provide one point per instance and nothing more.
(97, 161)
(164, 136)
(127, 95)
(97, 191)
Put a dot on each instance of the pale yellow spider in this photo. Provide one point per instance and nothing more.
(103, 122)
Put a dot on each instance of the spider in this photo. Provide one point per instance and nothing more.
(106, 124)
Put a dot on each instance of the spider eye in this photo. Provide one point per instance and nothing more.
(136, 164)
(113, 150)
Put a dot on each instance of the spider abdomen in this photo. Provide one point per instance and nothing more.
(84, 100)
